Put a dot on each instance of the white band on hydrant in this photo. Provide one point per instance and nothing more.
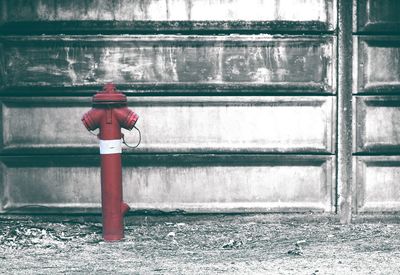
(112, 146)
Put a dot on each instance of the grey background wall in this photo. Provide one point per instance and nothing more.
(237, 103)
(376, 83)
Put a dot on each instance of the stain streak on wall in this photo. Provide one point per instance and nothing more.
(303, 62)
(170, 15)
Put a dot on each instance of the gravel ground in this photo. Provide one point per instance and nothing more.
(201, 244)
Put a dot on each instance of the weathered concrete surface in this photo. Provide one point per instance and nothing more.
(159, 10)
(131, 15)
(177, 124)
(203, 125)
(377, 124)
(236, 153)
(70, 61)
(194, 183)
(380, 16)
(377, 183)
(376, 71)
(377, 60)
(253, 244)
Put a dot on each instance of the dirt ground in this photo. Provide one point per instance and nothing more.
(201, 244)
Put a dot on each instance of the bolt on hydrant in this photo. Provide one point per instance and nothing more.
(110, 113)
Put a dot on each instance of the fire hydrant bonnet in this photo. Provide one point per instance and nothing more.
(109, 95)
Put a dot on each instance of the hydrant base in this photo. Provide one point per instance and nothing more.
(112, 238)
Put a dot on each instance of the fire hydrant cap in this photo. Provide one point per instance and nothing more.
(109, 95)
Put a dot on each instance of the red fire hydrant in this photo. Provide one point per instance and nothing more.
(110, 113)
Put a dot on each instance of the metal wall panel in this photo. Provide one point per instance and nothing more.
(378, 16)
(376, 64)
(199, 183)
(156, 15)
(377, 124)
(377, 183)
(177, 124)
(296, 62)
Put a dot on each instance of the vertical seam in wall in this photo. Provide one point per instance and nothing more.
(3, 181)
(344, 114)
(337, 111)
(2, 169)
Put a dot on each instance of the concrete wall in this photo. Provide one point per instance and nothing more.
(376, 83)
(237, 103)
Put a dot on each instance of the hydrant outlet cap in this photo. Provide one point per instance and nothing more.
(109, 95)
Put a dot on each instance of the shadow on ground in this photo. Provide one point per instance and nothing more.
(201, 244)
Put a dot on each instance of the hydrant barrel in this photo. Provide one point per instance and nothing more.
(109, 114)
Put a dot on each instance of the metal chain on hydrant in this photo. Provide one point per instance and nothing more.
(123, 138)
(140, 139)
(93, 133)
